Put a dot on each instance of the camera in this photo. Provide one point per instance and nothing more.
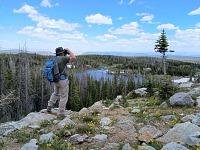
(66, 52)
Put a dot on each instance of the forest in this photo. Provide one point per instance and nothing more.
(23, 89)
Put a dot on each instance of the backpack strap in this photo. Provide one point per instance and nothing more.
(55, 66)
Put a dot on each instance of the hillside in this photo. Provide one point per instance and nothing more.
(138, 123)
(23, 88)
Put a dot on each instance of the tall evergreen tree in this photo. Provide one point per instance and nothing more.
(162, 47)
(1, 64)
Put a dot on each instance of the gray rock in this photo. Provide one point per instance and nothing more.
(111, 146)
(180, 133)
(174, 146)
(187, 118)
(164, 105)
(194, 91)
(133, 130)
(196, 119)
(97, 106)
(42, 131)
(76, 138)
(150, 131)
(135, 110)
(125, 124)
(100, 137)
(198, 101)
(44, 138)
(168, 117)
(181, 99)
(83, 112)
(127, 147)
(32, 145)
(194, 139)
(32, 119)
(105, 121)
(65, 121)
(67, 133)
(119, 97)
(146, 147)
(73, 138)
(141, 91)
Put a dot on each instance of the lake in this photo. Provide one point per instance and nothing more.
(98, 74)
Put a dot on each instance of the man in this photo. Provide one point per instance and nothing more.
(61, 88)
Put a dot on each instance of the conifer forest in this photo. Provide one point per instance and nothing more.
(23, 88)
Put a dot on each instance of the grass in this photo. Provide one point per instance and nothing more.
(57, 144)
(45, 123)
(90, 119)
(2, 144)
(95, 113)
(150, 114)
(22, 136)
(88, 128)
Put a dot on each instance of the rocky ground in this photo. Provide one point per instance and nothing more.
(140, 124)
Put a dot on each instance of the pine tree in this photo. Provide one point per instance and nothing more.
(130, 84)
(1, 64)
(74, 101)
(162, 47)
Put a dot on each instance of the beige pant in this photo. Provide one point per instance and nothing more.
(61, 91)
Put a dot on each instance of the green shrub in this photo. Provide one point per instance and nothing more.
(45, 123)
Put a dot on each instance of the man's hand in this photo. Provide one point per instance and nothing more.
(71, 54)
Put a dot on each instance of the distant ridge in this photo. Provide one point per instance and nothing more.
(123, 54)
(115, 53)
(147, 54)
(16, 51)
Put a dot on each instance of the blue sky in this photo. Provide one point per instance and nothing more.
(100, 25)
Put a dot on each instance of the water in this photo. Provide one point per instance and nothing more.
(99, 74)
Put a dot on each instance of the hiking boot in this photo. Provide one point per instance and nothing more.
(49, 109)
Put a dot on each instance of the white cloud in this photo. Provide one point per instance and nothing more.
(106, 37)
(46, 3)
(142, 14)
(131, 1)
(128, 29)
(26, 9)
(147, 18)
(153, 36)
(198, 25)
(123, 2)
(192, 36)
(38, 32)
(167, 27)
(46, 22)
(59, 24)
(98, 19)
(49, 34)
(195, 12)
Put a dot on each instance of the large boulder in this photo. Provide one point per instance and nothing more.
(175, 146)
(181, 99)
(180, 133)
(32, 119)
(141, 91)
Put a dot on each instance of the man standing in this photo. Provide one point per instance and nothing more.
(61, 88)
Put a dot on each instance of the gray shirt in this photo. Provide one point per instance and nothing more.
(62, 62)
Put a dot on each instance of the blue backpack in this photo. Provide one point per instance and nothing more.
(51, 70)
